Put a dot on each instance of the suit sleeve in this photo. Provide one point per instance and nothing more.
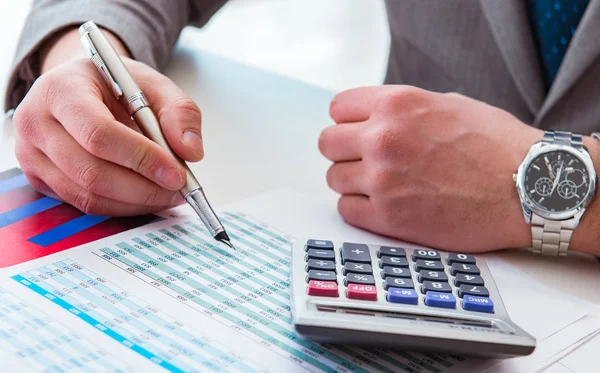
(148, 28)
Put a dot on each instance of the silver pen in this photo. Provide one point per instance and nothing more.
(126, 90)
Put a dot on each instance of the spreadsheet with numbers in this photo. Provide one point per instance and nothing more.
(166, 297)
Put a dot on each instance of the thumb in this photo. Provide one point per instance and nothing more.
(179, 116)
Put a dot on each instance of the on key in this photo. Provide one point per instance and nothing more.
(390, 251)
(323, 288)
(319, 244)
(354, 278)
(320, 254)
(326, 265)
(393, 261)
(355, 252)
(470, 269)
(430, 265)
(315, 274)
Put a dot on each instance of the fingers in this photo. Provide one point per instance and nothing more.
(354, 105)
(347, 178)
(357, 210)
(101, 177)
(93, 126)
(42, 173)
(341, 142)
(179, 116)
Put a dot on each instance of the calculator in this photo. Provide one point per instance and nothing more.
(400, 298)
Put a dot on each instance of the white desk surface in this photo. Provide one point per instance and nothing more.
(260, 132)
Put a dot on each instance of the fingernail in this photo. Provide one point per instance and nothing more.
(193, 140)
(170, 177)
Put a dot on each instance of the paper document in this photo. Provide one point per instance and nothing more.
(167, 297)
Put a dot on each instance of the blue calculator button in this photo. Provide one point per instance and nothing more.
(406, 296)
(478, 304)
(442, 300)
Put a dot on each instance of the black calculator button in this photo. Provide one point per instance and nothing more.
(355, 252)
(395, 272)
(426, 254)
(354, 278)
(470, 269)
(315, 274)
(320, 254)
(351, 267)
(461, 258)
(390, 251)
(463, 278)
(425, 275)
(392, 261)
(395, 282)
(440, 287)
(320, 264)
(430, 265)
(319, 244)
(481, 291)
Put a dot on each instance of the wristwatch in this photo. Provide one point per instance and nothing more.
(556, 182)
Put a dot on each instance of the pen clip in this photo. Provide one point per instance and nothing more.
(91, 50)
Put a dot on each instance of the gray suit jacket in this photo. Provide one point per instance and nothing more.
(481, 48)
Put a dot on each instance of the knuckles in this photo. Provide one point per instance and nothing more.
(95, 136)
(90, 177)
(402, 98)
(87, 202)
(25, 121)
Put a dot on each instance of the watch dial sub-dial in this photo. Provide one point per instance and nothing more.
(576, 176)
(543, 186)
(567, 189)
(557, 181)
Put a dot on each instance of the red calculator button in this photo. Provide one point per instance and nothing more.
(323, 288)
(362, 292)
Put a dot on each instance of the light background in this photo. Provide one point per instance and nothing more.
(334, 44)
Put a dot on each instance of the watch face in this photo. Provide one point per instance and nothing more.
(557, 181)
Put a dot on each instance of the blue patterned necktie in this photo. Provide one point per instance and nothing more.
(554, 23)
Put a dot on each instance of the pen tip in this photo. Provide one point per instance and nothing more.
(223, 237)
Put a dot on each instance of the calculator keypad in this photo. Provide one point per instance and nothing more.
(355, 252)
(440, 280)
(351, 267)
(353, 278)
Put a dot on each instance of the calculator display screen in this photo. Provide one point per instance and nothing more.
(557, 181)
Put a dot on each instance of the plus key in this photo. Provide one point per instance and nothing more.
(323, 288)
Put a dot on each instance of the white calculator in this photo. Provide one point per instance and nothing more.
(400, 298)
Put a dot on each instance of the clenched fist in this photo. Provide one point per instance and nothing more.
(76, 143)
(430, 168)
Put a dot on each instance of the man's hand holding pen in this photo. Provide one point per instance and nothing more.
(78, 144)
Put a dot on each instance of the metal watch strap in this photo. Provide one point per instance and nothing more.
(552, 237)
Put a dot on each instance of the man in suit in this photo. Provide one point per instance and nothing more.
(428, 160)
